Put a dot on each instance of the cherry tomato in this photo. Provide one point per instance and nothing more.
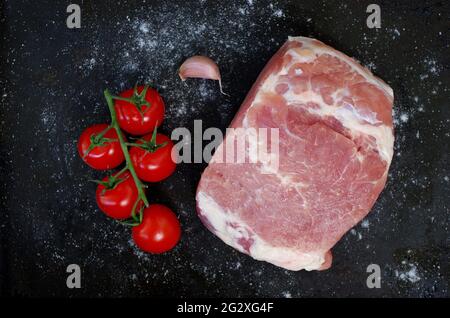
(159, 231)
(153, 162)
(117, 194)
(99, 147)
(139, 114)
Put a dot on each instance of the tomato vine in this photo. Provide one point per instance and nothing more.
(128, 164)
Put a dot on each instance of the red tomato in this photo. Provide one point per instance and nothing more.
(116, 196)
(153, 162)
(99, 147)
(140, 114)
(159, 231)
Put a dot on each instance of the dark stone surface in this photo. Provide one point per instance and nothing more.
(52, 82)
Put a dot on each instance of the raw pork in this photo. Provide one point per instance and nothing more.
(336, 145)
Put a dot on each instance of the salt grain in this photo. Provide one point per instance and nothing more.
(404, 117)
(411, 275)
(144, 27)
(365, 224)
(287, 294)
(278, 13)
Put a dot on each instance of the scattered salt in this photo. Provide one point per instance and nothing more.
(371, 66)
(365, 224)
(287, 294)
(144, 27)
(411, 275)
(404, 117)
(278, 13)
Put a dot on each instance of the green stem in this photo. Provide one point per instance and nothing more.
(133, 211)
(125, 99)
(129, 165)
(100, 135)
(122, 171)
(133, 144)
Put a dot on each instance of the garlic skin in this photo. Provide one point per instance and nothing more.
(200, 67)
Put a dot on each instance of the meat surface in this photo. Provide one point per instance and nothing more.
(334, 120)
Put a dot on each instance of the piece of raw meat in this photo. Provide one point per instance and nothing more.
(336, 145)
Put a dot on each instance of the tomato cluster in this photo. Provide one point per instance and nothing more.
(121, 195)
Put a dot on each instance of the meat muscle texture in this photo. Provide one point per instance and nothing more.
(335, 147)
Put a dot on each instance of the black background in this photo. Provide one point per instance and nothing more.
(52, 82)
